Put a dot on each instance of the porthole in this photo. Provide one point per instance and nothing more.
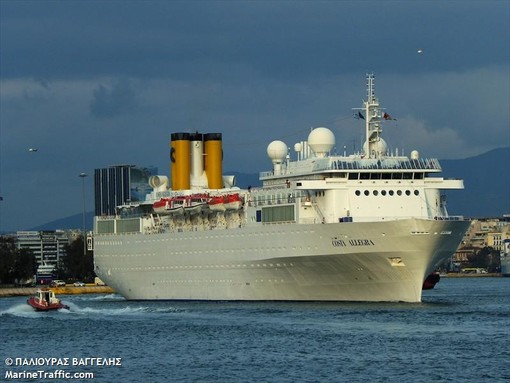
(416, 192)
(375, 192)
(391, 192)
(357, 192)
(399, 192)
(367, 192)
(383, 192)
(408, 192)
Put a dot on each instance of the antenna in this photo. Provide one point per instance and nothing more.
(373, 147)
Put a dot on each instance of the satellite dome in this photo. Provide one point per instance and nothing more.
(277, 150)
(380, 147)
(298, 147)
(415, 155)
(321, 141)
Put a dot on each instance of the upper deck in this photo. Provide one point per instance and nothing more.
(354, 164)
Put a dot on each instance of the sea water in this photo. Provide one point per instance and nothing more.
(459, 333)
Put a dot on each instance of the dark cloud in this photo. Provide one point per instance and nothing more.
(274, 39)
(81, 77)
(111, 101)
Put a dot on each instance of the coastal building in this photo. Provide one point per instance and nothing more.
(48, 246)
(120, 184)
(483, 232)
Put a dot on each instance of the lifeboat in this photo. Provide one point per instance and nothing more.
(196, 203)
(232, 202)
(169, 206)
(161, 206)
(45, 300)
(216, 203)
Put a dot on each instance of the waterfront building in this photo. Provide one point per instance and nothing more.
(483, 232)
(48, 246)
(120, 184)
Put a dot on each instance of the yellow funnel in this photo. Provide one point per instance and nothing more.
(180, 161)
(213, 159)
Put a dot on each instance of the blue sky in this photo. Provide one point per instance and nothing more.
(96, 83)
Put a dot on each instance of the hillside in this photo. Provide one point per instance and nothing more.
(486, 181)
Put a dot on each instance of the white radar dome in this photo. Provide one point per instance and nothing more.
(298, 147)
(277, 150)
(321, 141)
(415, 155)
(380, 147)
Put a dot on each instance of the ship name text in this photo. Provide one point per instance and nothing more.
(351, 242)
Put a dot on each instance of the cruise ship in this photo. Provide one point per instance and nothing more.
(368, 226)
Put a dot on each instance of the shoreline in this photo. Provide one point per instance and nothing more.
(460, 275)
(67, 290)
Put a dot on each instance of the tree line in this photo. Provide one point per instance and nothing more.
(18, 266)
(487, 258)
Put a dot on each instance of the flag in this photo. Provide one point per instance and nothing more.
(358, 116)
(386, 116)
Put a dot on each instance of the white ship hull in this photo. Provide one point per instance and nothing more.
(383, 261)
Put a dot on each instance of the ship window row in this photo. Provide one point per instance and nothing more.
(386, 176)
(420, 163)
(119, 226)
(387, 192)
(274, 199)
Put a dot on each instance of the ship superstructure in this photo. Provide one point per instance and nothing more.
(363, 227)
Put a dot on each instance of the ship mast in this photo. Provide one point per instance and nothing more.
(372, 147)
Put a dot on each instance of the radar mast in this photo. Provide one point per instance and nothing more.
(373, 147)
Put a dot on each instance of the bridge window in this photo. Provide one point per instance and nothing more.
(278, 214)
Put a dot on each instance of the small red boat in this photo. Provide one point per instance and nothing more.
(45, 300)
